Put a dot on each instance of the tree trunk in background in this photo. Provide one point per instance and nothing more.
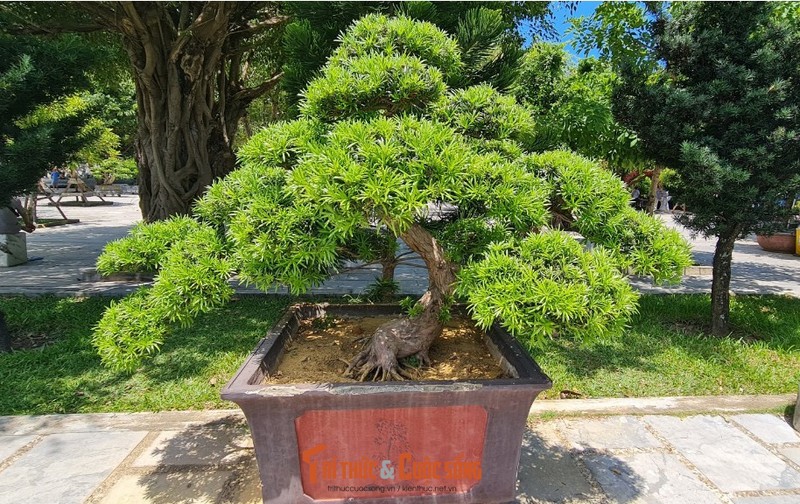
(388, 265)
(720, 284)
(190, 65)
(176, 77)
(29, 204)
(172, 146)
(651, 196)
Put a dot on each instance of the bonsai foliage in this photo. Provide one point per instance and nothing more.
(370, 153)
(724, 114)
(486, 34)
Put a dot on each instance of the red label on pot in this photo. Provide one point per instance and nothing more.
(390, 452)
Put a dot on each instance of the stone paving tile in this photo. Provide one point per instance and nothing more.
(770, 429)
(648, 478)
(548, 472)
(613, 433)
(792, 454)
(725, 455)
(197, 446)
(245, 487)
(65, 468)
(771, 499)
(10, 444)
(168, 488)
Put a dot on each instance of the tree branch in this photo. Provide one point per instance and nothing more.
(28, 27)
(250, 94)
(263, 25)
(106, 15)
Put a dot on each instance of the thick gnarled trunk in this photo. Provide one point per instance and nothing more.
(189, 68)
(178, 152)
(720, 284)
(410, 336)
(172, 171)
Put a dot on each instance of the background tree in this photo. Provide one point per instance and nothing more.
(40, 126)
(42, 123)
(380, 137)
(571, 104)
(724, 114)
(191, 64)
(622, 34)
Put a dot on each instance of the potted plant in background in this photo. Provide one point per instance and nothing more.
(782, 236)
(781, 241)
(383, 134)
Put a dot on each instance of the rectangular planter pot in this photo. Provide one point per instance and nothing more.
(381, 442)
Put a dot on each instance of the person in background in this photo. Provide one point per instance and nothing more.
(54, 176)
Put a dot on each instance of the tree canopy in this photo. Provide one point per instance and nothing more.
(572, 105)
(369, 155)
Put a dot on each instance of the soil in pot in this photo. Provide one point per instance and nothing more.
(320, 351)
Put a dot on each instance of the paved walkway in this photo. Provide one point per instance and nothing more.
(67, 251)
(207, 457)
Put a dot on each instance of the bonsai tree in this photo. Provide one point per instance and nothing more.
(538, 242)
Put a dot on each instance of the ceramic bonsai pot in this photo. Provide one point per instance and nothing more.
(380, 442)
(778, 242)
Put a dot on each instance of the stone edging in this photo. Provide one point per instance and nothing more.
(175, 420)
(663, 405)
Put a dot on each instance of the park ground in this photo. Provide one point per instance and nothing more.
(730, 442)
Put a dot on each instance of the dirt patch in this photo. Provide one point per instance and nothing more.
(30, 340)
(322, 348)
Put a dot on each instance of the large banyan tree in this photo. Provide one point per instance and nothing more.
(193, 66)
(539, 242)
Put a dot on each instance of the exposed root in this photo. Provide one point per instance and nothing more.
(424, 358)
(368, 365)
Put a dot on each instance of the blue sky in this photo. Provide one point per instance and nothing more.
(561, 16)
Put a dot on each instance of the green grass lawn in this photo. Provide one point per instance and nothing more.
(66, 376)
(664, 353)
(667, 352)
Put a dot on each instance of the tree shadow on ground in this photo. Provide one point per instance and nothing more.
(215, 462)
(210, 462)
(550, 472)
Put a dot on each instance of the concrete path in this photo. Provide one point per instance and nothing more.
(754, 271)
(68, 251)
(207, 456)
